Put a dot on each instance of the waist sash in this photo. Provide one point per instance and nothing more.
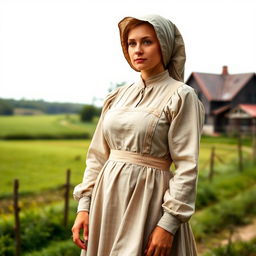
(140, 159)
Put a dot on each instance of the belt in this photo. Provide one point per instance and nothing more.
(137, 158)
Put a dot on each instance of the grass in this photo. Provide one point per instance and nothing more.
(235, 249)
(44, 126)
(237, 211)
(40, 164)
(39, 228)
(62, 248)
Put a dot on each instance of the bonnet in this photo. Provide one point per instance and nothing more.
(170, 40)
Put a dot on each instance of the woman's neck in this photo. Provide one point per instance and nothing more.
(145, 74)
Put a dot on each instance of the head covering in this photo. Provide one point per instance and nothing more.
(170, 40)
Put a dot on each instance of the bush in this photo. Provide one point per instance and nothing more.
(63, 248)
(235, 249)
(226, 213)
(23, 136)
(6, 245)
(205, 195)
(88, 113)
(5, 108)
(38, 229)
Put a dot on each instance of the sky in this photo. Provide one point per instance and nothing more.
(69, 50)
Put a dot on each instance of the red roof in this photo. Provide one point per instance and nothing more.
(221, 87)
(249, 108)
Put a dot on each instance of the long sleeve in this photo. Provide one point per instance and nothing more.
(97, 155)
(186, 114)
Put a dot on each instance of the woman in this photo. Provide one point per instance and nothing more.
(130, 203)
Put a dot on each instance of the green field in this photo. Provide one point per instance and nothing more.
(44, 126)
(42, 164)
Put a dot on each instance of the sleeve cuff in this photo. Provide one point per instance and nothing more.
(84, 204)
(169, 222)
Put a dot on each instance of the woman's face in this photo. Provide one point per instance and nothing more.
(144, 50)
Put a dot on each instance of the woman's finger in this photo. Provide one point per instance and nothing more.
(76, 238)
(148, 243)
(150, 251)
(157, 251)
(86, 232)
(164, 252)
(168, 251)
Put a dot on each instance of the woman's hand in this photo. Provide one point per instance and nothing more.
(81, 222)
(159, 243)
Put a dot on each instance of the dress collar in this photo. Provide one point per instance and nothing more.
(153, 80)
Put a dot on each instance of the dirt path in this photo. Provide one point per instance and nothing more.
(244, 233)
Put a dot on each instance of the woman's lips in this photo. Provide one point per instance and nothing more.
(139, 60)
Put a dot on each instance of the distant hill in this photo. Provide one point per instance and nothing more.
(35, 107)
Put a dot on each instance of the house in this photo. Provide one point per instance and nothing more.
(220, 93)
(243, 115)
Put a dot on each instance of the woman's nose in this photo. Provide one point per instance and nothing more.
(138, 49)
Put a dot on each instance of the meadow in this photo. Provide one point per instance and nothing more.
(45, 127)
(40, 165)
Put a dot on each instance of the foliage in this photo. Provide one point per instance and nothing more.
(44, 106)
(6, 245)
(226, 183)
(42, 227)
(225, 213)
(63, 248)
(5, 108)
(235, 249)
(88, 112)
(205, 195)
(38, 228)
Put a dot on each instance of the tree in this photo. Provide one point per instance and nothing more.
(88, 112)
(5, 108)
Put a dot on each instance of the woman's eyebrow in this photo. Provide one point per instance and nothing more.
(145, 37)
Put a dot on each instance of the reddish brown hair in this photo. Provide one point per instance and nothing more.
(131, 25)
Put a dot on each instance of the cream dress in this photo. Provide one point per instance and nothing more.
(128, 187)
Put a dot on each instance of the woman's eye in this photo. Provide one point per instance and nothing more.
(147, 42)
(131, 43)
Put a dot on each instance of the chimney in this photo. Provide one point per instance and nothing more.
(225, 70)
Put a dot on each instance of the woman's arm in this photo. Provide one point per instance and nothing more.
(187, 119)
(97, 155)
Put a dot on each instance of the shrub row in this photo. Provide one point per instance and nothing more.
(63, 248)
(38, 228)
(235, 249)
(226, 213)
(84, 135)
(224, 185)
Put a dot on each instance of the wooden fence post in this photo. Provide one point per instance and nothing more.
(240, 152)
(16, 217)
(67, 189)
(211, 172)
(254, 140)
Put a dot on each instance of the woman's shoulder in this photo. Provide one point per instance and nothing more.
(183, 88)
(117, 90)
(112, 95)
(183, 95)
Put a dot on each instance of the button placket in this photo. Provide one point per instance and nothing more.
(142, 91)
